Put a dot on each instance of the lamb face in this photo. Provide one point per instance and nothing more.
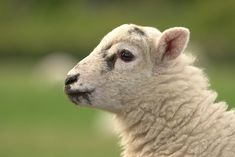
(118, 69)
(162, 102)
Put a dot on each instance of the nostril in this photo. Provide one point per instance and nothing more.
(71, 79)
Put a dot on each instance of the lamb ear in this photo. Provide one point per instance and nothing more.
(172, 42)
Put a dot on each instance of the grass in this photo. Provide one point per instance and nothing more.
(37, 120)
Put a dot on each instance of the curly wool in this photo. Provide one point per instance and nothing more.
(178, 117)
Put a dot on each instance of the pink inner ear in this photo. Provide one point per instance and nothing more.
(169, 47)
(172, 42)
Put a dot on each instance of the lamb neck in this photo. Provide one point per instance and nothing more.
(177, 126)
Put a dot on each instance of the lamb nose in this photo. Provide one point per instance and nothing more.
(71, 79)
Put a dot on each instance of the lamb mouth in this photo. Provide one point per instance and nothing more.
(79, 96)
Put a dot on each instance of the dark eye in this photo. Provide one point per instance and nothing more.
(126, 55)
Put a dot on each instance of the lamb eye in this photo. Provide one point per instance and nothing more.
(126, 55)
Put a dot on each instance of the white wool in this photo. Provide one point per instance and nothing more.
(163, 103)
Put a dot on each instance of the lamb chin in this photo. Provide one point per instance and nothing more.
(74, 99)
(81, 100)
(85, 99)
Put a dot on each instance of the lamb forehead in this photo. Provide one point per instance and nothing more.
(131, 33)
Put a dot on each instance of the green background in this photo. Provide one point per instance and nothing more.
(36, 118)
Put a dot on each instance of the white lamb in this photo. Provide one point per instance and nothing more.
(162, 102)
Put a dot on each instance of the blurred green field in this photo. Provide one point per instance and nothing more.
(32, 28)
(37, 119)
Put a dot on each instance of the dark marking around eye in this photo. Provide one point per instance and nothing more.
(110, 61)
(137, 31)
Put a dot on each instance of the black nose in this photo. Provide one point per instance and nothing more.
(71, 79)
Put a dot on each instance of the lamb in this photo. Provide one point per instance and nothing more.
(162, 102)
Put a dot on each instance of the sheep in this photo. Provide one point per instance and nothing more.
(162, 102)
